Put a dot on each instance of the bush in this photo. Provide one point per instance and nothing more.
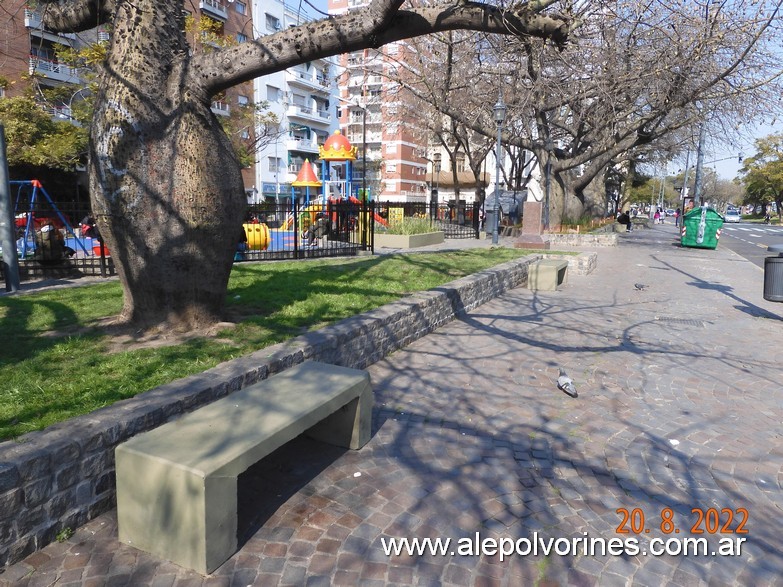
(410, 225)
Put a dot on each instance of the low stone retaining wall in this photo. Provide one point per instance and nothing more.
(64, 476)
(590, 240)
(582, 264)
(408, 241)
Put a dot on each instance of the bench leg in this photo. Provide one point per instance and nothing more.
(350, 426)
(174, 513)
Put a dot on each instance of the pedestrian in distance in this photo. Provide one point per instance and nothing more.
(625, 218)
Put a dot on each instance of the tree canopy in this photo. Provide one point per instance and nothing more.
(634, 83)
(762, 174)
(39, 140)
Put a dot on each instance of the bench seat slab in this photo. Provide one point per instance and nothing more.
(177, 484)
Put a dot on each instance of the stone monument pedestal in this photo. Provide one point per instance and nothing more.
(531, 228)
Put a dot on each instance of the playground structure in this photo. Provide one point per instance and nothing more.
(333, 199)
(47, 238)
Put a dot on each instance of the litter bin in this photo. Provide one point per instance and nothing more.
(773, 275)
(701, 228)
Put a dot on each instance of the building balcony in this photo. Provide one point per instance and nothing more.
(32, 20)
(304, 79)
(297, 111)
(307, 145)
(214, 8)
(54, 70)
(221, 108)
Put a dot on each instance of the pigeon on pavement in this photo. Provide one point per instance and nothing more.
(640, 286)
(566, 384)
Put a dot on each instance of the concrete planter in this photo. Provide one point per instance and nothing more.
(408, 241)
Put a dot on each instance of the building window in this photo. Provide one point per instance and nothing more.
(272, 22)
(241, 38)
(242, 100)
(274, 164)
(391, 168)
(240, 7)
(273, 94)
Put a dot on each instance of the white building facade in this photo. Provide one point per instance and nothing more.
(304, 100)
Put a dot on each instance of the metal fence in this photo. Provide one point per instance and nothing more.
(52, 242)
(306, 231)
(456, 222)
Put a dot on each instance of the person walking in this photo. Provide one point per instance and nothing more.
(677, 213)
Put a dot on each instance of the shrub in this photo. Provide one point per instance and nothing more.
(410, 225)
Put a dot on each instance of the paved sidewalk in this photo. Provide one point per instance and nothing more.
(680, 408)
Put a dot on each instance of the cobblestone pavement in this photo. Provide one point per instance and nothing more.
(678, 422)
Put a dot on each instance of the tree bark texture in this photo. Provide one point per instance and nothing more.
(165, 185)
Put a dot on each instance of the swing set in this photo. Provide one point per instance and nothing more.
(27, 223)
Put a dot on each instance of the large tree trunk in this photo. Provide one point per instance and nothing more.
(166, 187)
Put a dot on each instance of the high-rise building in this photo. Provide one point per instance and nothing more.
(303, 100)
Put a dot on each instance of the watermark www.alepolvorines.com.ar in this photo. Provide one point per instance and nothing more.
(575, 546)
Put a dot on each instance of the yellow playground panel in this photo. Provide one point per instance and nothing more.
(257, 236)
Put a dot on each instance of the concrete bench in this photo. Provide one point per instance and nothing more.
(547, 274)
(177, 484)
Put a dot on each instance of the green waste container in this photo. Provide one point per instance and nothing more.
(701, 228)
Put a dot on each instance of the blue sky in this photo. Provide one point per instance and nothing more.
(728, 169)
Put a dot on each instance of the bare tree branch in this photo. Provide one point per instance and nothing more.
(380, 23)
(76, 15)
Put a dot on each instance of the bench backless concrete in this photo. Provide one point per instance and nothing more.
(177, 484)
(547, 274)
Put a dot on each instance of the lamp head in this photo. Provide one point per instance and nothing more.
(499, 111)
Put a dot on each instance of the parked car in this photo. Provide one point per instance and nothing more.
(669, 211)
(732, 216)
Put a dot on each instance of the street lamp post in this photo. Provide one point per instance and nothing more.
(547, 188)
(364, 152)
(500, 116)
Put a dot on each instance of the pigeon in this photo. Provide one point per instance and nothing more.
(566, 384)
(640, 286)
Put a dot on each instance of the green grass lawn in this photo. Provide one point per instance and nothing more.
(56, 362)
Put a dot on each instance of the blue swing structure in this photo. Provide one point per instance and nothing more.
(28, 238)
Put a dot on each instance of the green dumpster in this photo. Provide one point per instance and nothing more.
(701, 228)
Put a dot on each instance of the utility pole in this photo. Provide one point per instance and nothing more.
(697, 187)
(7, 226)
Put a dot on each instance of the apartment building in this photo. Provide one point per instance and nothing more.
(28, 49)
(29, 55)
(304, 100)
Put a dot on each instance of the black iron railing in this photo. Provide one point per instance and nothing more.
(59, 245)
